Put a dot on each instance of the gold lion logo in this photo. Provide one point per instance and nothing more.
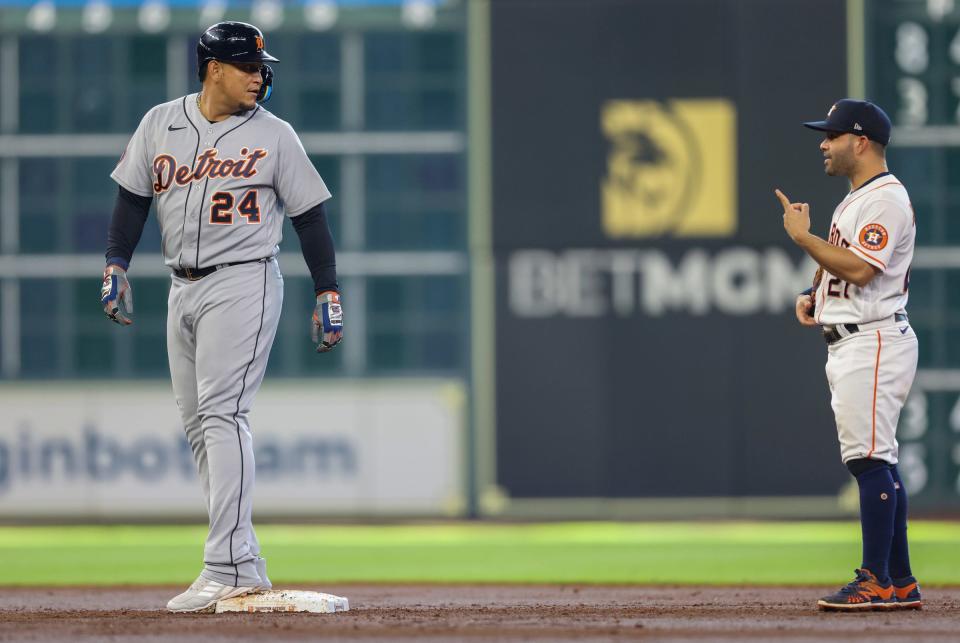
(652, 167)
(670, 168)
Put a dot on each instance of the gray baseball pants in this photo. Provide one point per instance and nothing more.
(219, 333)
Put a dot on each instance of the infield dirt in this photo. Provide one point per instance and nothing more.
(478, 613)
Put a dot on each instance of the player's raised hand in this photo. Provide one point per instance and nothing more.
(804, 310)
(116, 296)
(796, 217)
(326, 327)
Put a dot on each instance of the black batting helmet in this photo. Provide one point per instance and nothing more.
(231, 42)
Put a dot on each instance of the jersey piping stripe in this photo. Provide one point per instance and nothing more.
(243, 388)
(186, 201)
(823, 297)
(868, 256)
(847, 204)
(876, 377)
(207, 182)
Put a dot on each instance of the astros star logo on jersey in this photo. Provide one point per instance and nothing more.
(874, 236)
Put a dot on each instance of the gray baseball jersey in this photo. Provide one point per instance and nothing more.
(221, 188)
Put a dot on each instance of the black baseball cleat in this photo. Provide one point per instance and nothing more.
(863, 593)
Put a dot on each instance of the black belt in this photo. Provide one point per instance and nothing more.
(833, 335)
(193, 274)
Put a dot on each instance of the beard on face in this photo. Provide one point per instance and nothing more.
(839, 162)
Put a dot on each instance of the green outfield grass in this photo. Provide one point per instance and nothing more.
(634, 553)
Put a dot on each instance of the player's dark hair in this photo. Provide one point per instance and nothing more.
(203, 71)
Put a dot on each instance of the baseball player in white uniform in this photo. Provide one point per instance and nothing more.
(225, 173)
(859, 299)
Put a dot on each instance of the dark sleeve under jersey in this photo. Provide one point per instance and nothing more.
(129, 215)
(316, 242)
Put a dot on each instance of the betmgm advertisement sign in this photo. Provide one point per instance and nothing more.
(646, 343)
(670, 173)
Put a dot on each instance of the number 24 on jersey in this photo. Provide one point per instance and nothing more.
(221, 208)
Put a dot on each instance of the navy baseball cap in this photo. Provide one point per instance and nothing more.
(858, 117)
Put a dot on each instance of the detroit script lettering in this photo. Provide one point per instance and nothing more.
(168, 171)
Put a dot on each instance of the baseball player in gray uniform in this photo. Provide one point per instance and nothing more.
(224, 172)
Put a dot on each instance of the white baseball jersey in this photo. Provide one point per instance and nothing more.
(222, 189)
(876, 222)
(870, 372)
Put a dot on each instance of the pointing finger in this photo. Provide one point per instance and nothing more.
(783, 198)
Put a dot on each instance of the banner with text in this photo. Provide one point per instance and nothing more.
(116, 451)
(645, 287)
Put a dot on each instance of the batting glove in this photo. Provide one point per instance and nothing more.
(326, 328)
(116, 297)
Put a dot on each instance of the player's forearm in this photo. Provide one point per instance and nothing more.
(126, 226)
(316, 243)
(837, 261)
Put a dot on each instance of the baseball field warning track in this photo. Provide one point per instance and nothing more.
(476, 613)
